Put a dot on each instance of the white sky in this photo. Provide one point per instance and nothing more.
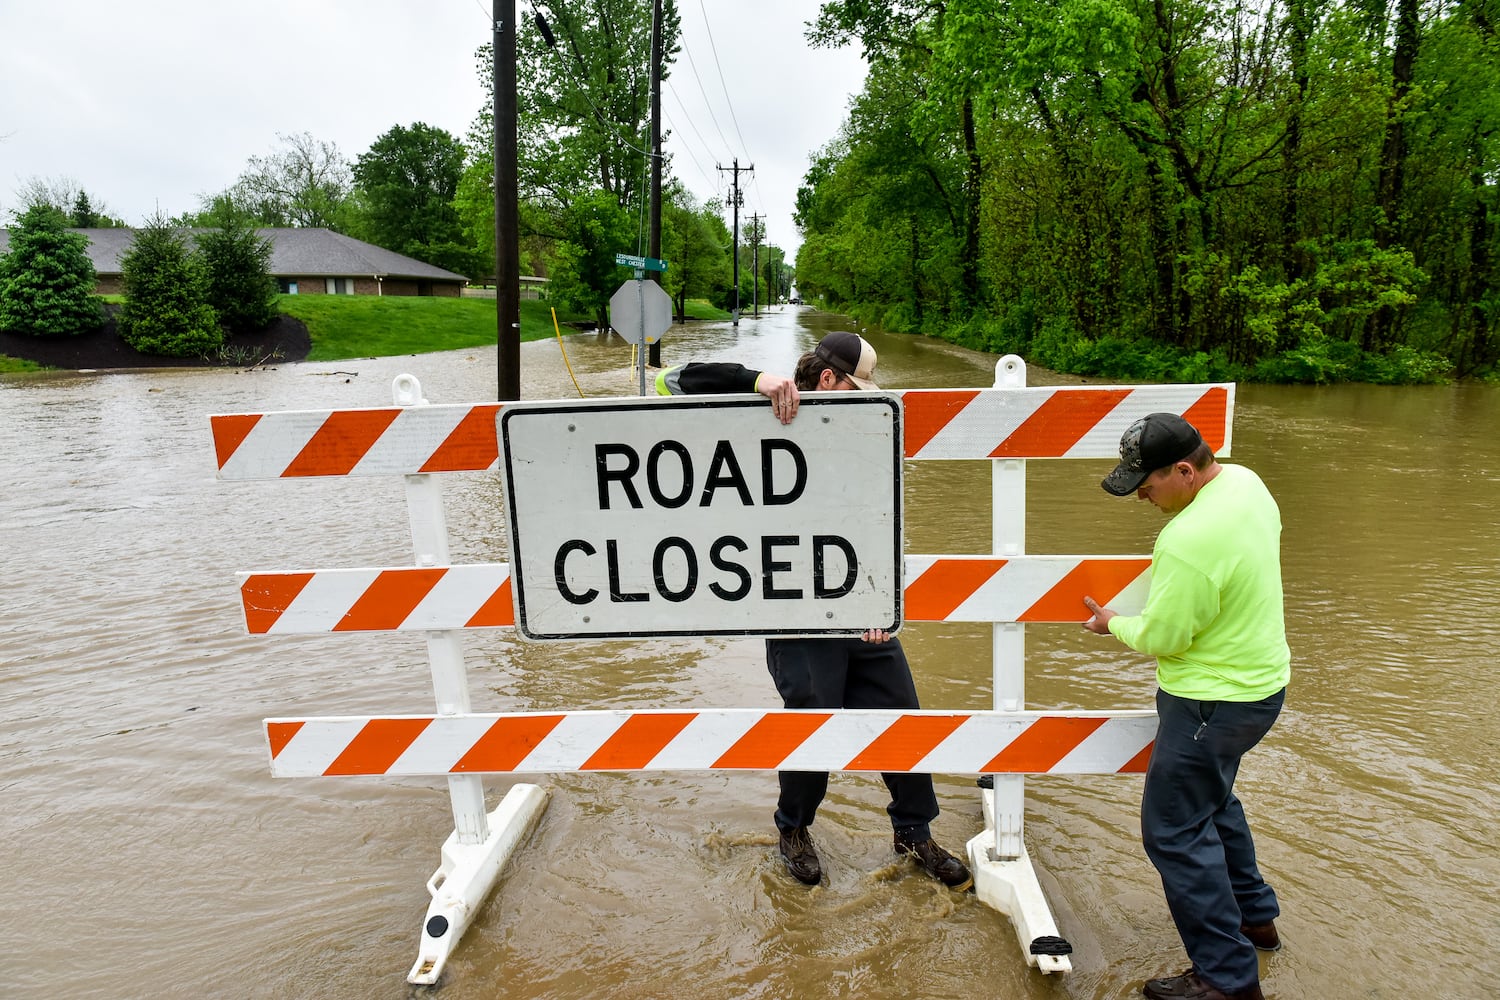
(146, 105)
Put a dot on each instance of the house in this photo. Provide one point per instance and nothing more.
(303, 262)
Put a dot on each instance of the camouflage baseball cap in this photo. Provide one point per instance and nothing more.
(1152, 442)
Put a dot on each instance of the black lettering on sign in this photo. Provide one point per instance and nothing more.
(720, 561)
(653, 473)
(560, 571)
(724, 470)
(616, 595)
(658, 565)
(769, 566)
(603, 474)
(820, 563)
(768, 449)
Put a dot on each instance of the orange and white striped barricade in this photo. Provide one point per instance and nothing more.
(414, 440)
(880, 740)
(1007, 587)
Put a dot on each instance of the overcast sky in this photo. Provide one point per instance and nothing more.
(147, 105)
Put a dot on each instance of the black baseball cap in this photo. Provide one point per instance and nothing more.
(1152, 442)
(851, 354)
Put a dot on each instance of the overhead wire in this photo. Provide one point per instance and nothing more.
(720, 67)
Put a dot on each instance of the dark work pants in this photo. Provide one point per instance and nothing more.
(848, 673)
(1195, 832)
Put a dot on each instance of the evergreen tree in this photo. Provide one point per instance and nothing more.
(166, 308)
(240, 286)
(47, 280)
(84, 216)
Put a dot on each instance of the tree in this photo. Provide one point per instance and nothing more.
(406, 184)
(596, 228)
(166, 307)
(305, 183)
(46, 279)
(68, 197)
(695, 240)
(241, 289)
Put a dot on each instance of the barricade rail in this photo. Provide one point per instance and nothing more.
(1008, 588)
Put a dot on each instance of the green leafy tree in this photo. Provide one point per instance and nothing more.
(696, 243)
(166, 308)
(406, 184)
(46, 279)
(596, 228)
(241, 289)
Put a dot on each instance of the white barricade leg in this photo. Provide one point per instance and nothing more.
(467, 874)
(1011, 887)
(1003, 876)
(481, 842)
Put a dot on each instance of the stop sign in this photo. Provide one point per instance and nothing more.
(640, 311)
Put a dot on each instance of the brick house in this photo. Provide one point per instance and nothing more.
(303, 262)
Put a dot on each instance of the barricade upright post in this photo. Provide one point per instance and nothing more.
(1003, 874)
(480, 843)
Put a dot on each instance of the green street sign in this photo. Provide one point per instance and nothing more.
(640, 263)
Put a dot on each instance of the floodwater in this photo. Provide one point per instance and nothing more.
(150, 854)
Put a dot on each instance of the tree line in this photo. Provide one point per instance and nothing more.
(583, 83)
(1281, 190)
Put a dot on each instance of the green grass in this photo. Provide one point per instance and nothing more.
(367, 326)
(700, 309)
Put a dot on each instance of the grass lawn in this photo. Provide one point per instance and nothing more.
(365, 326)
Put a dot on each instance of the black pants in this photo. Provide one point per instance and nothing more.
(847, 673)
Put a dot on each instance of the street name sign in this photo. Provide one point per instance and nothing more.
(640, 263)
(703, 515)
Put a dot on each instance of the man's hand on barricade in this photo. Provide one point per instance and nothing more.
(1099, 623)
(782, 392)
(876, 635)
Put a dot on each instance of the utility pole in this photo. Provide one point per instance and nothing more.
(755, 263)
(507, 213)
(653, 355)
(736, 199)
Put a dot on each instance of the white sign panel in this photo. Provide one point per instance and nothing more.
(704, 515)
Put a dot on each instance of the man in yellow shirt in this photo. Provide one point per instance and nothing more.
(1213, 619)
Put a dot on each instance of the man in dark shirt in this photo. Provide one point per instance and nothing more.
(840, 672)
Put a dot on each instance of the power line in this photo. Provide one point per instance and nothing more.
(720, 67)
(707, 104)
(686, 149)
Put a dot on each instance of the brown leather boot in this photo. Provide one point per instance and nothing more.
(1263, 936)
(937, 862)
(1189, 987)
(801, 858)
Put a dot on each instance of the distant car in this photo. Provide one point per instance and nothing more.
(794, 300)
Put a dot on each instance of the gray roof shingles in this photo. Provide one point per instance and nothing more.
(294, 253)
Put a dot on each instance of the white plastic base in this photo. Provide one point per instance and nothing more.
(467, 874)
(1011, 887)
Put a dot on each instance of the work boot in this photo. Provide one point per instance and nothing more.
(937, 862)
(800, 856)
(1189, 987)
(1263, 936)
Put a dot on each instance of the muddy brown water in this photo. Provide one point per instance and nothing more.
(150, 854)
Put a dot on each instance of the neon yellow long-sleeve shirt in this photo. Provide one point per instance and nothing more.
(1213, 618)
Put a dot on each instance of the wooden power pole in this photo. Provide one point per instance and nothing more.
(507, 211)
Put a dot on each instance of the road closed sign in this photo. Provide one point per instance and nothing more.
(703, 515)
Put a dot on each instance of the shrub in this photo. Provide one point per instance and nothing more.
(240, 286)
(47, 280)
(166, 309)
